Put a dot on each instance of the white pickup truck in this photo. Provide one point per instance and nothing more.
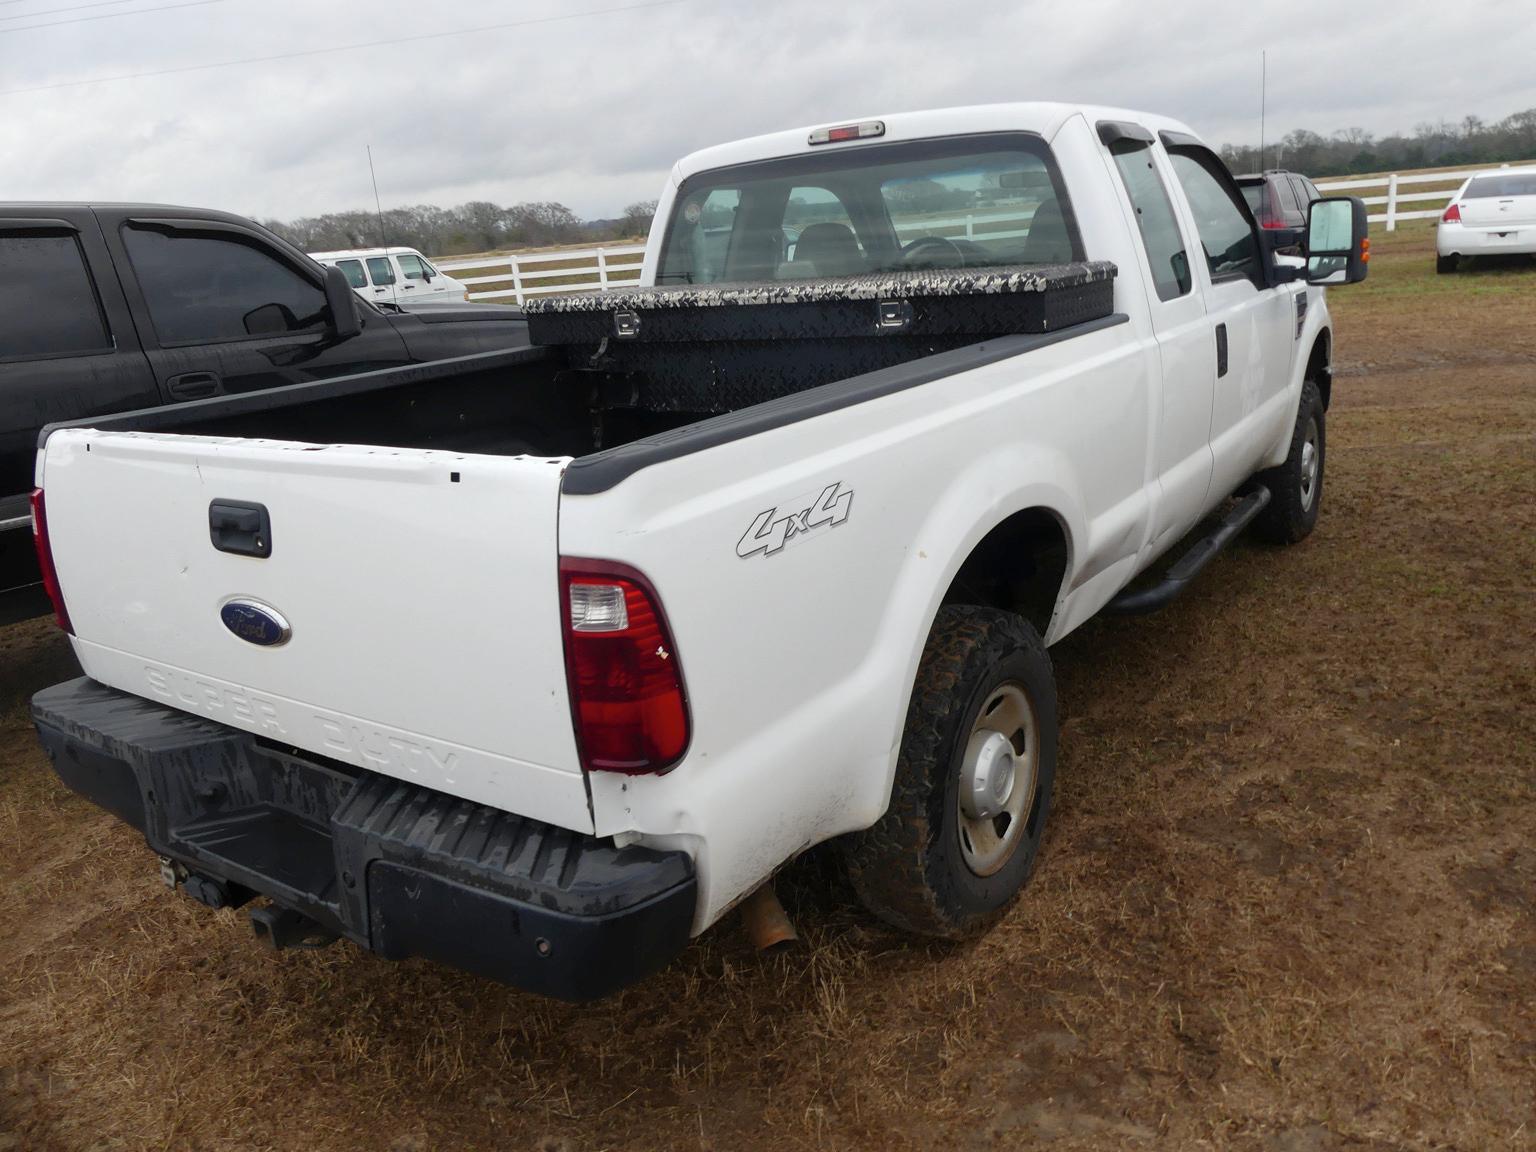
(538, 662)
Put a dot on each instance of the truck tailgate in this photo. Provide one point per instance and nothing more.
(420, 590)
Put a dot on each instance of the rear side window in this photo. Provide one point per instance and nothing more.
(1160, 235)
(1288, 205)
(1231, 249)
(354, 272)
(48, 305)
(381, 270)
(1254, 194)
(412, 266)
(203, 287)
(1306, 192)
(1513, 184)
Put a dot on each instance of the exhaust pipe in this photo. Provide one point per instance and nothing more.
(767, 924)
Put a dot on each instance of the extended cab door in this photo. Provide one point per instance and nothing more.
(229, 309)
(1254, 322)
(1183, 330)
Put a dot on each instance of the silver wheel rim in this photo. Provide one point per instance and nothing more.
(999, 773)
(1311, 463)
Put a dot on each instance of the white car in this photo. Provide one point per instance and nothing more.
(399, 276)
(539, 662)
(1492, 214)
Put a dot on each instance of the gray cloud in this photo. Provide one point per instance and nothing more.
(592, 111)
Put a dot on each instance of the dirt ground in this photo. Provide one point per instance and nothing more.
(1287, 901)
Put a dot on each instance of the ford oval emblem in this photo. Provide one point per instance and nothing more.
(255, 623)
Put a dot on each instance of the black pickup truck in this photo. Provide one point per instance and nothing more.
(117, 307)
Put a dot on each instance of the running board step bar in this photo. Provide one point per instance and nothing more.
(1190, 564)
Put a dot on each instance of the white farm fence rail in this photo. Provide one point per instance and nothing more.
(1393, 198)
(521, 275)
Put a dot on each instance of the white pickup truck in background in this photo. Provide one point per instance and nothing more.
(538, 662)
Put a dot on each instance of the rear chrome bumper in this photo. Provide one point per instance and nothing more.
(400, 869)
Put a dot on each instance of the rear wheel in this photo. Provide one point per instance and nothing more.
(973, 780)
(1445, 264)
(1296, 487)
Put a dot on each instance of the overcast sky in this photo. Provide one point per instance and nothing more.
(588, 104)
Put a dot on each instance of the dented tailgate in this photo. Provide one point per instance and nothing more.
(406, 618)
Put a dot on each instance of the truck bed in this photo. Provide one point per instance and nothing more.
(614, 378)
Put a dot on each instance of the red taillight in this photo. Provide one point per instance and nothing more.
(45, 561)
(627, 695)
(1273, 222)
(1452, 214)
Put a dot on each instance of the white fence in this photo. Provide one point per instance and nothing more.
(1441, 196)
(531, 274)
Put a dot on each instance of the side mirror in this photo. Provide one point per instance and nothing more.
(426, 274)
(1338, 241)
(270, 320)
(341, 302)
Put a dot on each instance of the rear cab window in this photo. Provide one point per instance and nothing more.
(48, 301)
(980, 201)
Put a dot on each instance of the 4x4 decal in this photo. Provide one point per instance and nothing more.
(770, 531)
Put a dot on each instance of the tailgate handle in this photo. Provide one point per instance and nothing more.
(240, 528)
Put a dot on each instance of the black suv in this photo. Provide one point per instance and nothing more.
(1279, 199)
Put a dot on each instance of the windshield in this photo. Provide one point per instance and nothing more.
(964, 202)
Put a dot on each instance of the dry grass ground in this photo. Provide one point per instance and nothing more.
(1287, 902)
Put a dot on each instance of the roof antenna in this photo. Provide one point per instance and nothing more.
(1263, 92)
(377, 207)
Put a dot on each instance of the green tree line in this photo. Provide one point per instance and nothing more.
(478, 226)
(1354, 150)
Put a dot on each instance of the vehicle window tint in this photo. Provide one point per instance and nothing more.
(1160, 235)
(1304, 191)
(382, 271)
(200, 286)
(354, 272)
(967, 202)
(1231, 249)
(1287, 197)
(411, 266)
(976, 211)
(700, 244)
(48, 304)
(1512, 184)
(831, 246)
(1254, 194)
